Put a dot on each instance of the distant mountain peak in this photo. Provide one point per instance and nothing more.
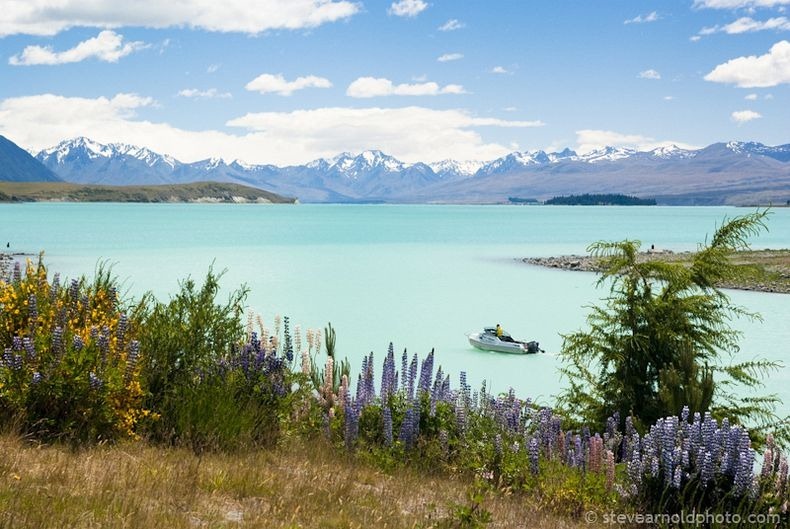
(372, 174)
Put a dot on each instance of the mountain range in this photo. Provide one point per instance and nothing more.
(722, 173)
(17, 165)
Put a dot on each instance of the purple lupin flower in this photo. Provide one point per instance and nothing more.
(534, 456)
(30, 349)
(411, 386)
(17, 274)
(404, 369)
(131, 360)
(76, 343)
(388, 380)
(634, 468)
(407, 433)
(743, 475)
(351, 426)
(104, 343)
(123, 323)
(706, 469)
(54, 288)
(436, 392)
(578, 451)
(36, 378)
(370, 385)
(677, 477)
(32, 309)
(498, 446)
(709, 433)
(57, 341)
(654, 466)
(426, 374)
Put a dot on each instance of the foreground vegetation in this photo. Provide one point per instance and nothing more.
(250, 421)
(138, 485)
(193, 192)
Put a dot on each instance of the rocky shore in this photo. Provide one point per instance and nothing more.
(769, 270)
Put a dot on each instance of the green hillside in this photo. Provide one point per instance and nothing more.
(195, 192)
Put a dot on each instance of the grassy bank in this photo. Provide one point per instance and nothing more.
(759, 270)
(307, 486)
(195, 192)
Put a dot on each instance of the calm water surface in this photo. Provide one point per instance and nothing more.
(419, 276)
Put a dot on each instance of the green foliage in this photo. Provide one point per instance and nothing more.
(662, 339)
(472, 514)
(184, 341)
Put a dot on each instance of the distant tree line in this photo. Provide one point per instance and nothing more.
(600, 200)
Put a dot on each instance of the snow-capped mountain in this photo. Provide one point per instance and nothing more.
(83, 160)
(780, 152)
(714, 174)
(455, 168)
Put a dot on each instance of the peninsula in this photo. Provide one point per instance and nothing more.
(209, 192)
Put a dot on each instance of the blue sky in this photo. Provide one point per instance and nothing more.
(288, 81)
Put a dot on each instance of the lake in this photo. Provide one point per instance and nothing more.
(420, 276)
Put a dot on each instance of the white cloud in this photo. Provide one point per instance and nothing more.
(411, 133)
(770, 69)
(48, 17)
(749, 25)
(276, 84)
(641, 19)
(212, 68)
(452, 25)
(695, 38)
(499, 70)
(669, 98)
(744, 116)
(211, 93)
(649, 74)
(738, 4)
(364, 87)
(107, 46)
(590, 139)
(751, 97)
(407, 8)
(447, 57)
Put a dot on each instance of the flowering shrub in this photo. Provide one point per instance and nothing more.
(213, 385)
(681, 463)
(69, 367)
(685, 462)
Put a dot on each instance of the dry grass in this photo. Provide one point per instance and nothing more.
(138, 486)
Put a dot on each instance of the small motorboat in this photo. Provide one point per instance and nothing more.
(489, 341)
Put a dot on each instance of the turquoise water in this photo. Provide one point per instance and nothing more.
(420, 276)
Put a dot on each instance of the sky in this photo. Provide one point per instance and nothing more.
(289, 81)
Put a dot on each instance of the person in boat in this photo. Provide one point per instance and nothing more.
(500, 333)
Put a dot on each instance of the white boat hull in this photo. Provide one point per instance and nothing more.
(487, 342)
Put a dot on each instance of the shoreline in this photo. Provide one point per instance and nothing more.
(772, 267)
